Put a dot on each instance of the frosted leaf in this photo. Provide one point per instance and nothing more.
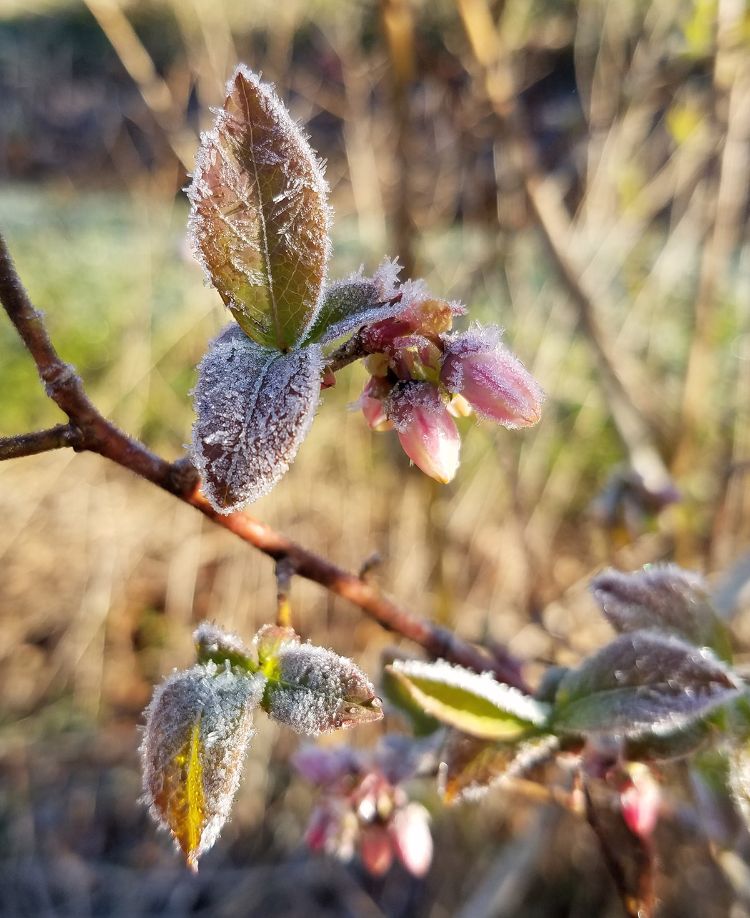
(643, 683)
(254, 408)
(314, 691)
(348, 305)
(259, 220)
(470, 766)
(663, 597)
(198, 729)
(213, 643)
(475, 704)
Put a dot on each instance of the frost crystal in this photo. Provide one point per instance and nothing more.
(198, 728)
(254, 408)
(259, 220)
(318, 691)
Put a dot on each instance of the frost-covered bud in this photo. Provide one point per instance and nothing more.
(492, 379)
(198, 728)
(640, 800)
(371, 403)
(419, 313)
(314, 691)
(426, 431)
(412, 839)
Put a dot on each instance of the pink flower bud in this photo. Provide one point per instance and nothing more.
(374, 414)
(640, 801)
(420, 313)
(412, 839)
(376, 850)
(371, 403)
(426, 431)
(495, 382)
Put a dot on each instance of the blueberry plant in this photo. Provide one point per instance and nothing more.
(664, 688)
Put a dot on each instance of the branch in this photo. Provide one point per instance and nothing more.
(41, 441)
(95, 433)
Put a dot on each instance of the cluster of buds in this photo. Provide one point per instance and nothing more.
(422, 376)
(364, 810)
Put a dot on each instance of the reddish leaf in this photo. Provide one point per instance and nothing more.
(260, 218)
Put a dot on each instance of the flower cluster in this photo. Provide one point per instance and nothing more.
(422, 376)
(364, 810)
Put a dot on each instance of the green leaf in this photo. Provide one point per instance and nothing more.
(642, 683)
(475, 704)
(398, 694)
(259, 217)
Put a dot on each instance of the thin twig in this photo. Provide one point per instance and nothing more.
(99, 435)
(40, 441)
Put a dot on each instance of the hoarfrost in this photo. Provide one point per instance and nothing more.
(319, 691)
(407, 398)
(260, 220)
(218, 704)
(254, 408)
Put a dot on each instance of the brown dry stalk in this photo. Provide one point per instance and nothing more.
(89, 430)
(551, 218)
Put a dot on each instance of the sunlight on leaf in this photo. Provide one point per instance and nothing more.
(643, 683)
(477, 705)
(260, 219)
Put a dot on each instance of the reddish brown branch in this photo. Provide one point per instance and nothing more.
(96, 434)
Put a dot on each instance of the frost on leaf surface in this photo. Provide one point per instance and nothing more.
(198, 728)
(665, 598)
(643, 683)
(314, 690)
(254, 407)
(357, 300)
(260, 219)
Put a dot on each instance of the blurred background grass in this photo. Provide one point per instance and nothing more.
(641, 116)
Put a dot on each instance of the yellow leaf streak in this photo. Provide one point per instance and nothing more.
(186, 814)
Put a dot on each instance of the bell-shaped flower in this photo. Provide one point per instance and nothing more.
(492, 379)
(426, 431)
